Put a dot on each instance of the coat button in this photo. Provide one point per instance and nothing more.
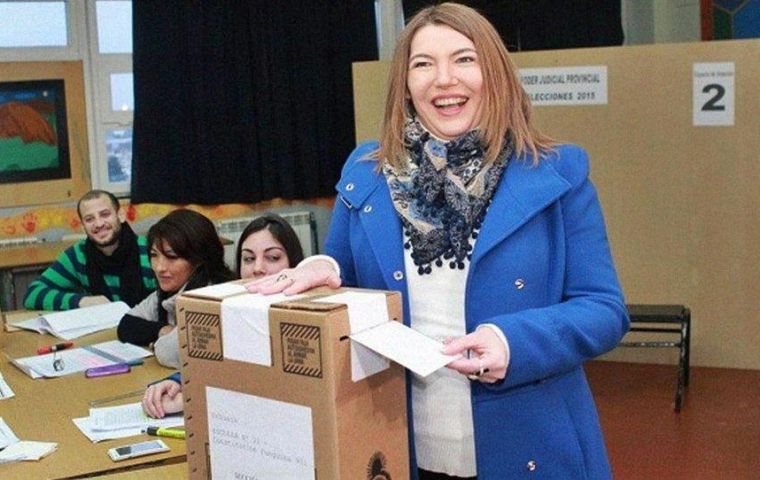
(349, 187)
(519, 283)
(367, 208)
(531, 466)
(398, 275)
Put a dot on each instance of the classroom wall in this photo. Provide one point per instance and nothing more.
(680, 201)
(54, 222)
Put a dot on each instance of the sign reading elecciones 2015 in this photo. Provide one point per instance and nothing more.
(584, 85)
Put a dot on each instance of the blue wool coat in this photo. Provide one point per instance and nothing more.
(541, 270)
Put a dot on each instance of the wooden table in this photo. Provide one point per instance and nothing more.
(174, 471)
(43, 410)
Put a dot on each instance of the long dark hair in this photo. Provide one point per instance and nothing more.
(280, 230)
(193, 237)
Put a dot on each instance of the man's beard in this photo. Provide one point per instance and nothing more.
(115, 234)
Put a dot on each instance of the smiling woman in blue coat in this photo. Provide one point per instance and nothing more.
(494, 234)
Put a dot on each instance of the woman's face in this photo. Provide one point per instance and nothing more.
(445, 81)
(262, 255)
(171, 271)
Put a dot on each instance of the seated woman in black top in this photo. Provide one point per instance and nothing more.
(185, 253)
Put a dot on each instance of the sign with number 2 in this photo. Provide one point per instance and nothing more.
(713, 91)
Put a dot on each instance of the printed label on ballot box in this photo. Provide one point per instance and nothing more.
(204, 336)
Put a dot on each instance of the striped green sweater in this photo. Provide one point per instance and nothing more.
(65, 282)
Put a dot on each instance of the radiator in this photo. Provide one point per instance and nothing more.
(19, 242)
(302, 222)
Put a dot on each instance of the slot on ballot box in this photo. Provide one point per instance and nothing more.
(274, 389)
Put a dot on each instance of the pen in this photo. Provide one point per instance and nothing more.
(54, 348)
(166, 432)
(134, 363)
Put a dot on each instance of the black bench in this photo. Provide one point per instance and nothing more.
(645, 318)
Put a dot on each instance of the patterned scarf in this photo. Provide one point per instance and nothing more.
(442, 194)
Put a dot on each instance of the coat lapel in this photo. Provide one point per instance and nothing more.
(523, 192)
(372, 201)
(384, 231)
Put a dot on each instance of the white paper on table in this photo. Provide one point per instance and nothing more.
(70, 324)
(7, 437)
(10, 459)
(14, 450)
(5, 389)
(26, 368)
(120, 351)
(245, 327)
(27, 450)
(365, 310)
(257, 437)
(73, 360)
(84, 424)
(76, 360)
(415, 351)
(126, 416)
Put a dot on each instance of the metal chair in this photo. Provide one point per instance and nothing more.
(652, 319)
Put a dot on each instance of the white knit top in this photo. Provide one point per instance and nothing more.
(443, 429)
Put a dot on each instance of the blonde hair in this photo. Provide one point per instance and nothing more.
(506, 107)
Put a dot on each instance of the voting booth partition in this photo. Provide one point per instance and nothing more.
(271, 390)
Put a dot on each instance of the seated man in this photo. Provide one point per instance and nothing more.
(111, 264)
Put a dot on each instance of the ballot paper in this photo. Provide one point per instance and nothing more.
(70, 324)
(371, 328)
(5, 390)
(122, 421)
(410, 348)
(74, 360)
(14, 450)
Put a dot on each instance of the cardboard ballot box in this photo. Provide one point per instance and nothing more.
(269, 393)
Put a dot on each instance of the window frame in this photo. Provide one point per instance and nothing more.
(75, 38)
(102, 65)
(82, 45)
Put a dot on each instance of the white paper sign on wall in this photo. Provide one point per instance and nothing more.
(713, 93)
(581, 85)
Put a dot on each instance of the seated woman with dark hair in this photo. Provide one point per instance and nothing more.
(185, 253)
(267, 246)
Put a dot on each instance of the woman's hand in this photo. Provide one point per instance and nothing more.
(296, 280)
(162, 398)
(487, 360)
(165, 330)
